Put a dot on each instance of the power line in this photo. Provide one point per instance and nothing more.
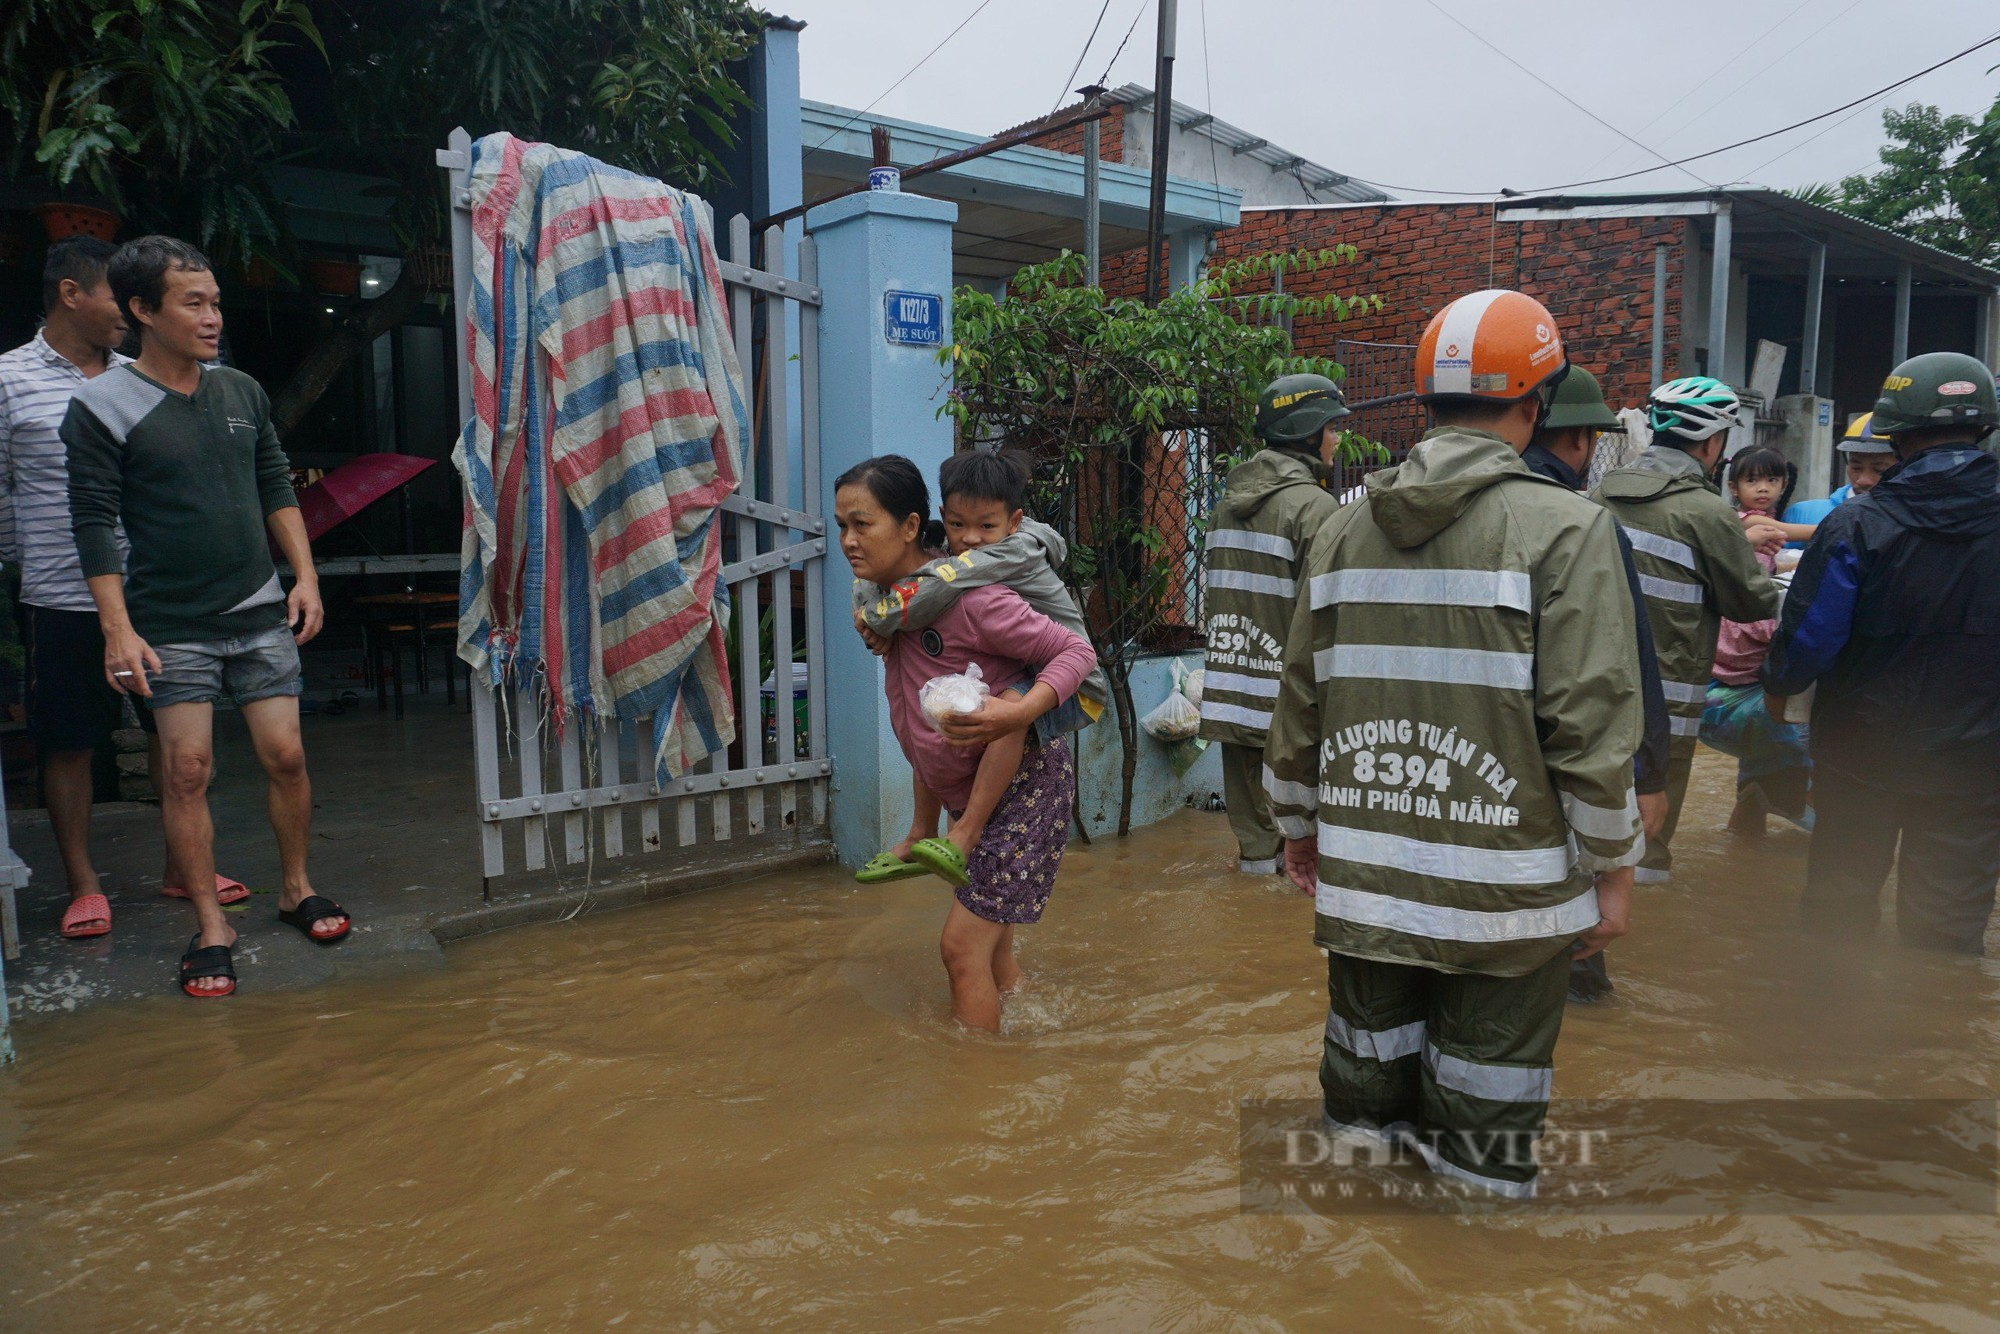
(1557, 91)
(1208, 91)
(1713, 75)
(1144, 5)
(899, 83)
(1069, 84)
(1696, 157)
(1869, 105)
(1774, 61)
(1752, 173)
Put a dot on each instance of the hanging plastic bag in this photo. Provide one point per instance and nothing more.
(1175, 718)
(1193, 684)
(942, 696)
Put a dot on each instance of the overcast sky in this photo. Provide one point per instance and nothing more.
(1394, 91)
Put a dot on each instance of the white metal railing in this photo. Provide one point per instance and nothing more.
(591, 794)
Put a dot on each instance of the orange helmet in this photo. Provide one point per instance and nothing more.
(1497, 345)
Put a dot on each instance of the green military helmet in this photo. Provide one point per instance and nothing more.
(1937, 389)
(1579, 401)
(1294, 409)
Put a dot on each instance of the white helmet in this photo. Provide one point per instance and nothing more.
(1693, 407)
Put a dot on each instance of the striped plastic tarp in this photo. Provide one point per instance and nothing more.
(608, 422)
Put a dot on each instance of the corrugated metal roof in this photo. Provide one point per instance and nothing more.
(1316, 179)
(1811, 217)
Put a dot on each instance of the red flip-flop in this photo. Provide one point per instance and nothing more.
(87, 917)
(227, 891)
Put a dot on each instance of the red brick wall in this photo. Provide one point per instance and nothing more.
(1594, 274)
(1110, 135)
(1124, 274)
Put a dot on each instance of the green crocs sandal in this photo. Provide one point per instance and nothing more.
(941, 859)
(884, 867)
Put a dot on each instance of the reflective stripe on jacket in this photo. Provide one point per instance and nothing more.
(1274, 502)
(1458, 713)
(1695, 567)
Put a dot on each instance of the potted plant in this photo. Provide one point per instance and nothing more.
(62, 220)
(431, 265)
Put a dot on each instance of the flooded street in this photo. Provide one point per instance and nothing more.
(749, 1108)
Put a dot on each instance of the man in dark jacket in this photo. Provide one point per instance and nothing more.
(1895, 614)
(1561, 452)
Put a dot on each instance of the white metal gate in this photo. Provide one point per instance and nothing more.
(590, 795)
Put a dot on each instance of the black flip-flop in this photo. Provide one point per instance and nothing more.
(203, 961)
(314, 908)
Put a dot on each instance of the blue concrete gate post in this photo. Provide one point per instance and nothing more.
(875, 397)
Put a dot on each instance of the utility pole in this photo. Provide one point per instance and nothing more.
(1092, 192)
(1163, 128)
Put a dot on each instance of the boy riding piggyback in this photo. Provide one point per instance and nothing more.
(989, 540)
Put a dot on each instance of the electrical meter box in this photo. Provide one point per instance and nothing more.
(1807, 440)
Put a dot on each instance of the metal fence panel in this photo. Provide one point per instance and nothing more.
(589, 772)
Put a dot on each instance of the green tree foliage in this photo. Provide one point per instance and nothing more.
(162, 107)
(173, 110)
(641, 84)
(1134, 415)
(1939, 182)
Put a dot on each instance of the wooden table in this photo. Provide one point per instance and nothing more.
(375, 608)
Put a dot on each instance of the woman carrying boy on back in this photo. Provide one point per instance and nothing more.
(1033, 664)
(988, 540)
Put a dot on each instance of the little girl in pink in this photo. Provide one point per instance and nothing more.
(1773, 770)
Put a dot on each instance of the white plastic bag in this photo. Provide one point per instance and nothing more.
(1192, 685)
(1175, 718)
(942, 696)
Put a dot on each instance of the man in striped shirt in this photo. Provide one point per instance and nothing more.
(71, 708)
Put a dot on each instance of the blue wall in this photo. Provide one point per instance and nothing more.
(1157, 791)
(875, 397)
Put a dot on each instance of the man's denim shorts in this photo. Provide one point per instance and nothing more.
(246, 669)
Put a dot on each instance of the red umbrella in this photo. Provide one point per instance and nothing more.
(353, 487)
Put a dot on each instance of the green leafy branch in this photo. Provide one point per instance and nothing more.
(1135, 414)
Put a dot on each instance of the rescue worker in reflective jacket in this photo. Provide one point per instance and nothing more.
(1561, 452)
(1450, 759)
(1895, 613)
(1695, 565)
(1273, 503)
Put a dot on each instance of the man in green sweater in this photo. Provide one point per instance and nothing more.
(184, 455)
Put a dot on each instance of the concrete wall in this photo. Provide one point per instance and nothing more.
(1158, 791)
(1194, 156)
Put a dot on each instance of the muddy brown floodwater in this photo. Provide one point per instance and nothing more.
(748, 1108)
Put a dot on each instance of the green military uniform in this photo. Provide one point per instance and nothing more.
(1273, 504)
(1696, 569)
(1457, 716)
